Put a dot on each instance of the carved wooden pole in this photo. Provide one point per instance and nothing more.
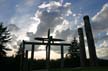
(26, 54)
(46, 56)
(32, 52)
(82, 47)
(26, 63)
(48, 53)
(90, 40)
(32, 56)
(22, 56)
(62, 56)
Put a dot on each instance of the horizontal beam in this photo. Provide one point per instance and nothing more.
(54, 44)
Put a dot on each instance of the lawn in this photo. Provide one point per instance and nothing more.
(82, 69)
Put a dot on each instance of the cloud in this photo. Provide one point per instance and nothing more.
(22, 22)
(17, 34)
(51, 5)
(51, 15)
(48, 19)
(13, 27)
(100, 22)
(23, 16)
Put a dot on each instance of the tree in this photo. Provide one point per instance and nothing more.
(73, 51)
(4, 38)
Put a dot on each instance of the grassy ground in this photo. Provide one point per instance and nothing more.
(83, 69)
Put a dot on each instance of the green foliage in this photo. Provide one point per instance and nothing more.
(4, 38)
(73, 51)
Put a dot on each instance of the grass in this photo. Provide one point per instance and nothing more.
(82, 69)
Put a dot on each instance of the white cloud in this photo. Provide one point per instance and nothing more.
(22, 22)
(51, 5)
(51, 14)
(100, 24)
(100, 20)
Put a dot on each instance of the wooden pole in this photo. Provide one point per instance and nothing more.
(32, 52)
(48, 53)
(90, 40)
(26, 54)
(22, 56)
(32, 56)
(62, 56)
(26, 62)
(47, 57)
(82, 48)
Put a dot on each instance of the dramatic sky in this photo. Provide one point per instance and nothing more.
(27, 19)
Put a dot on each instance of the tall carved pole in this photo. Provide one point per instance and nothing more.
(26, 54)
(32, 52)
(32, 57)
(22, 56)
(82, 48)
(90, 40)
(62, 56)
(26, 62)
(48, 53)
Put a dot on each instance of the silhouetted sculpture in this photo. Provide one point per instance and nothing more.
(82, 47)
(90, 40)
(50, 41)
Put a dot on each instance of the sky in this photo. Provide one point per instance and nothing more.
(27, 19)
